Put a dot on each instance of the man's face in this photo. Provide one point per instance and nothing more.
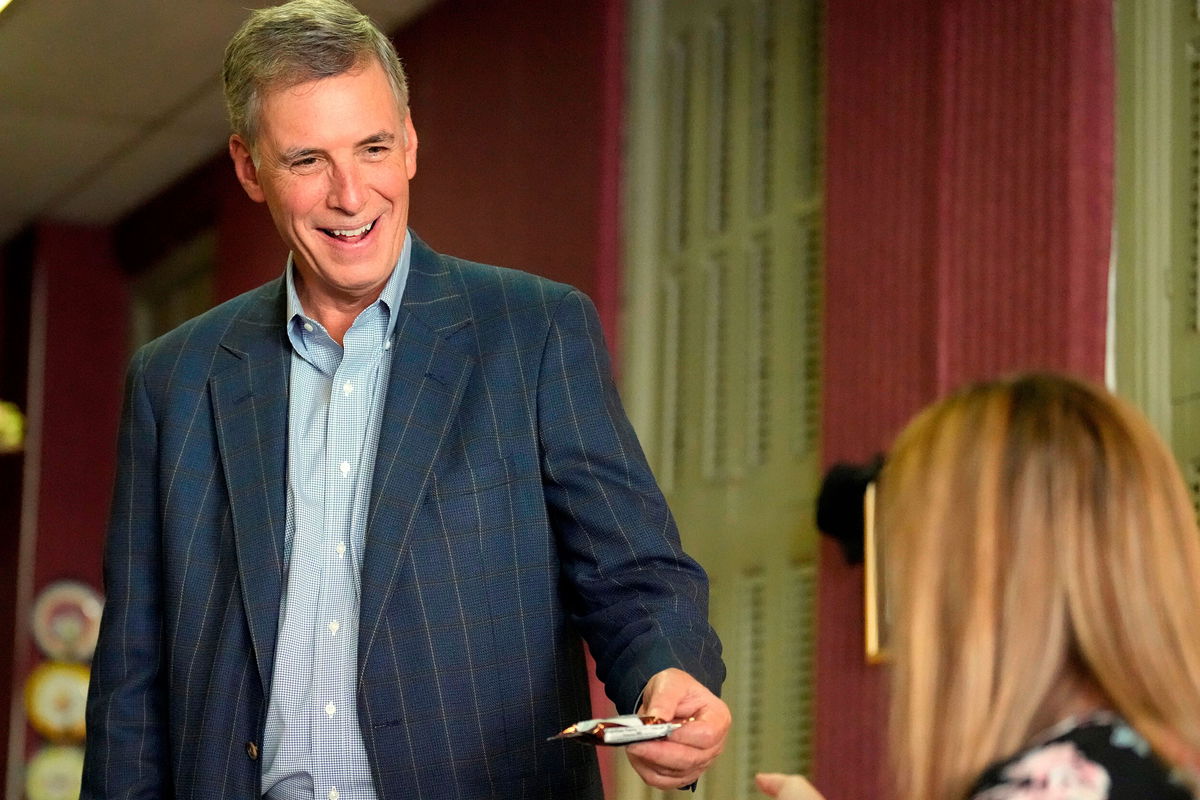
(335, 156)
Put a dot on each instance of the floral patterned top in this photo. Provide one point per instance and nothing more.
(1097, 757)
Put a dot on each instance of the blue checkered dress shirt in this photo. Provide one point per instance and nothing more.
(313, 747)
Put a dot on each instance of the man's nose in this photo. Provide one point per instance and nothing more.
(347, 192)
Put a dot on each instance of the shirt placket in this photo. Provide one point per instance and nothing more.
(333, 712)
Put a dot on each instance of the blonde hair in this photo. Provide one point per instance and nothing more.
(1037, 532)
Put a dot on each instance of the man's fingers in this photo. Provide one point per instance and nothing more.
(663, 698)
(678, 708)
(697, 733)
(669, 754)
(671, 759)
(656, 781)
(679, 759)
(667, 771)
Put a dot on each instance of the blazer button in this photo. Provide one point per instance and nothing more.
(252, 750)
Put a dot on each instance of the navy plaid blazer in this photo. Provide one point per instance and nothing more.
(512, 512)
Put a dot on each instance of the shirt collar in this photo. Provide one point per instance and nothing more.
(389, 298)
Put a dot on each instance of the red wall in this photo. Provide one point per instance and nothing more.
(519, 134)
(968, 192)
(249, 251)
(86, 319)
(87, 344)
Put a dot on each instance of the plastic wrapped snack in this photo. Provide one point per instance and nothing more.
(625, 729)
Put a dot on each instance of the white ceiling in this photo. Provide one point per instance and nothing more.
(102, 104)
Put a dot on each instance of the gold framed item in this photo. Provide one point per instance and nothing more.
(876, 613)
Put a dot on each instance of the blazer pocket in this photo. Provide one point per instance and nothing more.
(472, 481)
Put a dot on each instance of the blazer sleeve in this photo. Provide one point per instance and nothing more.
(639, 600)
(125, 753)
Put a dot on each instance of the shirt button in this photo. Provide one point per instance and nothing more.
(345, 467)
(308, 326)
(333, 794)
(347, 388)
(387, 345)
(330, 709)
(333, 628)
(252, 750)
(341, 549)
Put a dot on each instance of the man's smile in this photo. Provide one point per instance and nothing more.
(350, 234)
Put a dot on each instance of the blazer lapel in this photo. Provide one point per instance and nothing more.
(430, 369)
(249, 389)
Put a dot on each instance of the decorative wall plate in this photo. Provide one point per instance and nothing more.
(66, 620)
(55, 772)
(56, 700)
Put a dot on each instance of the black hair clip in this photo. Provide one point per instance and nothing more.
(840, 505)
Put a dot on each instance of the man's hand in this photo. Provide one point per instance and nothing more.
(679, 759)
(786, 787)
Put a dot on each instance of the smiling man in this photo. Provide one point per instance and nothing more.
(366, 514)
(332, 158)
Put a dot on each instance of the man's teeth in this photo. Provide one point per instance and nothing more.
(356, 231)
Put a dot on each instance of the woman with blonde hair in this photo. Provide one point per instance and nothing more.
(1044, 562)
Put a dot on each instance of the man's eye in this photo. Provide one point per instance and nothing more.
(376, 151)
(305, 165)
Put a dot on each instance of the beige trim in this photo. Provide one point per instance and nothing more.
(1142, 307)
(642, 189)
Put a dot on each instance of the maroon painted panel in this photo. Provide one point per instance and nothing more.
(87, 346)
(249, 250)
(1025, 196)
(880, 159)
(508, 103)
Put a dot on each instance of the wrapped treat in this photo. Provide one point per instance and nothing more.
(625, 729)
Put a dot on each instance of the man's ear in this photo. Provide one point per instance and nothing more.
(243, 165)
(410, 146)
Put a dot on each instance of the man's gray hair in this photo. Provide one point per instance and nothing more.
(297, 42)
